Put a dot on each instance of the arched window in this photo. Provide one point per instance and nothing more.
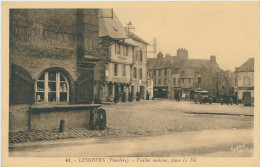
(52, 86)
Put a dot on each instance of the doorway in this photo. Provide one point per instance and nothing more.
(142, 92)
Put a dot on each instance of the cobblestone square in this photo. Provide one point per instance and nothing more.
(152, 117)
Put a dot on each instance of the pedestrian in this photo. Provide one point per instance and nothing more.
(177, 97)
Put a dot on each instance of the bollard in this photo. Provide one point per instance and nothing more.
(102, 118)
(62, 126)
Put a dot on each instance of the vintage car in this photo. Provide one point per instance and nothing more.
(228, 100)
(202, 96)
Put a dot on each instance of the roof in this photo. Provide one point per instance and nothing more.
(154, 63)
(177, 64)
(137, 38)
(201, 64)
(247, 66)
(111, 27)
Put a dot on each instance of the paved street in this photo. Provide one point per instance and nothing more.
(203, 143)
(156, 120)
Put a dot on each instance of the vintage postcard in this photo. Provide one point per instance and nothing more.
(130, 83)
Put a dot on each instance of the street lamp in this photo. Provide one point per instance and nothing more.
(129, 29)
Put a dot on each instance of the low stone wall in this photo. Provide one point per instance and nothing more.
(24, 117)
(49, 117)
(51, 120)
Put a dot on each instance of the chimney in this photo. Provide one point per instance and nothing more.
(213, 59)
(182, 54)
(159, 55)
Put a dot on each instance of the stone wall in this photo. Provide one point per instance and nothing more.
(51, 120)
(49, 38)
(41, 39)
(18, 117)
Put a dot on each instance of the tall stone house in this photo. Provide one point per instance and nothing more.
(159, 70)
(244, 80)
(139, 66)
(52, 58)
(179, 74)
(122, 68)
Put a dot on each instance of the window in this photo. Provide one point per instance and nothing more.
(165, 81)
(123, 70)
(154, 72)
(141, 55)
(135, 72)
(199, 79)
(125, 50)
(115, 72)
(154, 81)
(141, 73)
(165, 71)
(159, 82)
(52, 86)
(182, 80)
(160, 72)
(246, 81)
(236, 82)
(174, 81)
(117, 48)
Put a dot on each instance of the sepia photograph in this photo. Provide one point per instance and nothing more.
(159, 83)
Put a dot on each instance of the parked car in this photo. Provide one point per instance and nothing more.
(228, 100)
(202, 96)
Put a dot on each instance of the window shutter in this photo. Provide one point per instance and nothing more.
(21, 86)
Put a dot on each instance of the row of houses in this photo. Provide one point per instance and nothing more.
(180, 75)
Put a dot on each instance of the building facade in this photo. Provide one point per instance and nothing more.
(122, 68)
(244, 80)
(179, 75)
(139, 67)
(52, 61)
(159, 71)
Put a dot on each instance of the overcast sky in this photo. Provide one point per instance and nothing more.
(229, 30)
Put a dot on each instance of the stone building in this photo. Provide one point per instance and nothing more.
(52, 57)
(244, 80)
(180, 75)
(159, 70)
(139, 66)
(122, 68)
